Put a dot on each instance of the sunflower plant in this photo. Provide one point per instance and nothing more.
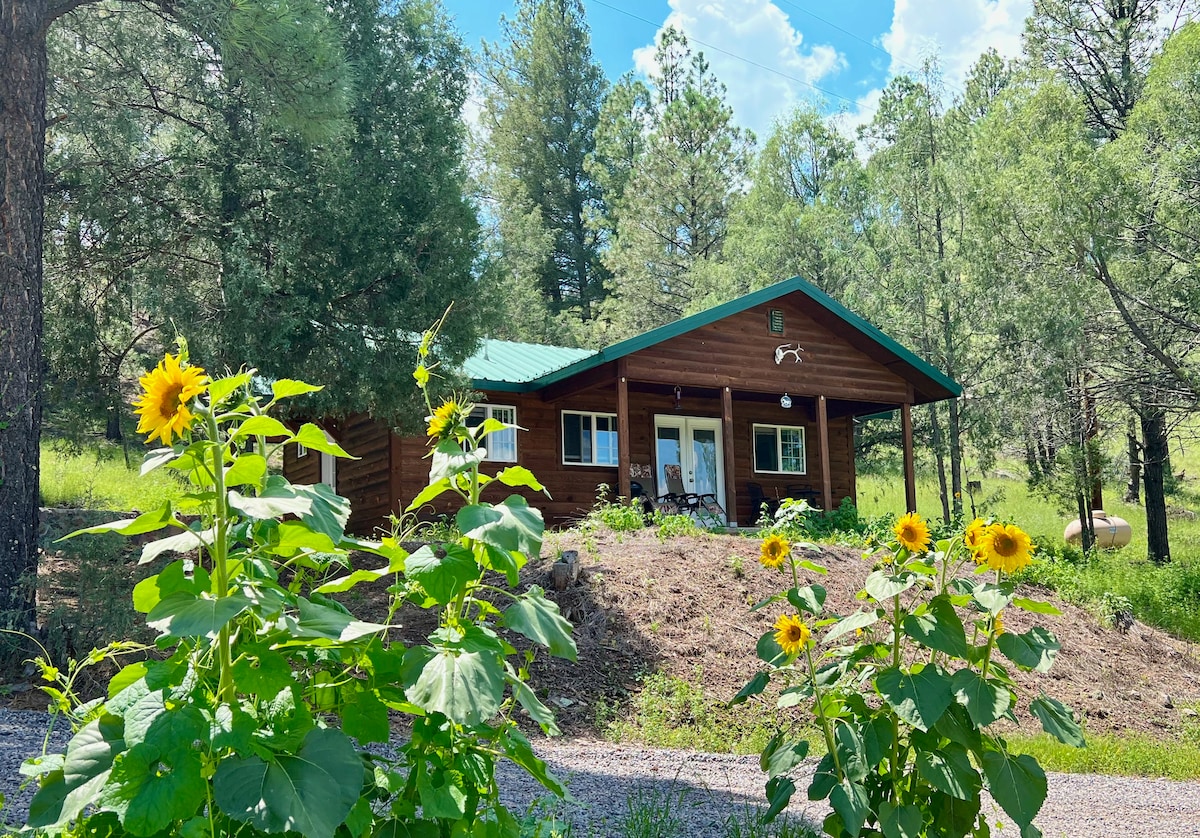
(253, 720)
(906, 690)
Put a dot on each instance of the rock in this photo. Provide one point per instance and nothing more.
(1165, 698)
(1188, 713)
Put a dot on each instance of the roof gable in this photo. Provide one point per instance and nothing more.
(929, 383)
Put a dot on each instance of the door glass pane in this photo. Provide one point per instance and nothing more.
(668, 452)
(791, 441)
(704, 461)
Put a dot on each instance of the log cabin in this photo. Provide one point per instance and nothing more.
(753, 398)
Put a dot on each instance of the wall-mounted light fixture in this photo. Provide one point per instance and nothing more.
(785, 401)
(678, 397)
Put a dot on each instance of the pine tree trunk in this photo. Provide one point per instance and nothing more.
(1133, 493)
(935, 432)
(22, 140)
(956, 483)
(1154, 457)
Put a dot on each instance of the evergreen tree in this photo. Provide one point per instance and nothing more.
(542, 107)
(672, 218)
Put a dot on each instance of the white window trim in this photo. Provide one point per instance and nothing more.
(563, 440)
(487, 409)
(301, 451)
(778, 446)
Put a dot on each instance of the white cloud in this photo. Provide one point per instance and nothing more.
(957, 32)
(751, 30)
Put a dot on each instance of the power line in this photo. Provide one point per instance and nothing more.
(732, 55)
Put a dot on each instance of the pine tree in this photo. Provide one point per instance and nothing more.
(542, 107)
(670, 223)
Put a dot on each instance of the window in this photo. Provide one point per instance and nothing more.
(301, 451)
(779, 449)
(501, 445)
(589, 439)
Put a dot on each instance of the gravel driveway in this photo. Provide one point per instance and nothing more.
(702, 791)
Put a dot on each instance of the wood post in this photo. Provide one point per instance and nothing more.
(730, 462)
(624, 488)
(910, 472)
(823, 442)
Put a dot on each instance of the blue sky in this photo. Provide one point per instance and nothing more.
(774, 54)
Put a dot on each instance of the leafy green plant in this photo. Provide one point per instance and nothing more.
(906, 708)
(674, 526)
(619, 514)
(249, 726)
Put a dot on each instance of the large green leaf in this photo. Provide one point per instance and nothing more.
(1035, 605)
(441, 792)
(883, 586)
(949, 769)
(184, 542)
(953, 818)
(407, 829)
(810, 598)
(986, 701)
(539, 619)
(513, 525)
(516, 747)
(938, 627)
(450, 458)
(267, 426)
(518, 476)
(296, 536)
(993, 598)
(537, 711)
(247, 470)
(918, 696)
(781, 756)
(286, 388)
(779, 793)
(443, 570)
(853, 805)
(310, 792)
(320, 621)
(433, 490)
(365, 717)
(221, 388)
(318, 506)
(859, 620)
(754, 686)
(1017, 783)
(151, 786)
(151, 521)
(186, 615)
(310, 436)
(464, 686)
(900, 821)
(1035, 649)
(769, 650)
(171, 579)
(1058, 720)
(86, 767)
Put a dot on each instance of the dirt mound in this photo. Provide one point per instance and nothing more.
(683, 606)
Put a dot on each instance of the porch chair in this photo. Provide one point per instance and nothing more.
(677, 499)
(704, 506)
(760, 503)
(799, 492)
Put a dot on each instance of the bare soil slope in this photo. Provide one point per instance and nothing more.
(678, 606)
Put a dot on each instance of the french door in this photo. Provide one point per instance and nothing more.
(693, 444)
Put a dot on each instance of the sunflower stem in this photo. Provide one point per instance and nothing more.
(220, 552)
(812, 677)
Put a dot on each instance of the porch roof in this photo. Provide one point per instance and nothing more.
(523, 367)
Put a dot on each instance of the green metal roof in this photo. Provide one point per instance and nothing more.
(507, 365)
(558, 363)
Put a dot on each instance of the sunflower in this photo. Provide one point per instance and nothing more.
(973, 538)
(791, 634)
(443, 420)
(997, 625)
(775, 550)
(167, 389)
(912, 533)
(1006, 547)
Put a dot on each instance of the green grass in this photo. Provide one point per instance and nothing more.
(98, 478)
(1135, 755)
(670, 712)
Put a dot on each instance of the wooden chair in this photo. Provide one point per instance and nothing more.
(759, 502)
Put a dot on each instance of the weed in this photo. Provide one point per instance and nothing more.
(652, 814)
(1130, 754)
(738, 565)
(98, 476)
(746, 822)
(673, 526)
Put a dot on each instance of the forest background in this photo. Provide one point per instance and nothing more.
(295, 182)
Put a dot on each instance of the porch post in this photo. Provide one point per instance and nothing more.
(624, 488)
(910, 473)
(823, 442)
(730, 462)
